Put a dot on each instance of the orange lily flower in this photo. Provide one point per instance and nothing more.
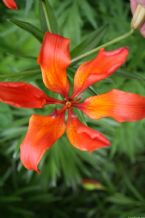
(11, 4)
(44, 131)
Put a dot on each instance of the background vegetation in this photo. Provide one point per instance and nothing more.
(58, 192)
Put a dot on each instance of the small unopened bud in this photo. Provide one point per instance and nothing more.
(138, 17)
(90, 185)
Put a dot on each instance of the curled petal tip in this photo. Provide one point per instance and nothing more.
(83, 137)
(101, 67)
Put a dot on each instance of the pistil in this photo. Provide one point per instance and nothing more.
(68, 104)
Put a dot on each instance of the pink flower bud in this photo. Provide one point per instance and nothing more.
(138, 11)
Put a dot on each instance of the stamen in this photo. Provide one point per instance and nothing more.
(68, 104)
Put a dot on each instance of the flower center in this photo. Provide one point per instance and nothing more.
(68, 104)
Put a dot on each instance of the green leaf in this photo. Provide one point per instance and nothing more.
(89, 12)
(119, 198)
(72, 22)
(5, 120)
(89, 42)
(21, 211)
(134, 75)
(30, 28)
(9, 199)
(26, 75)
(8, 49)
(48, 14)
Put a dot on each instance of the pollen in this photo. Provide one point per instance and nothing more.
(68, 104)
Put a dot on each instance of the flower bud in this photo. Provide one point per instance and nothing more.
(138, 17)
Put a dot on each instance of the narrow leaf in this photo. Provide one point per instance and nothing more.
(26, 75)
(30, 28)
(89, 42)
(48, 14)
(8, 49)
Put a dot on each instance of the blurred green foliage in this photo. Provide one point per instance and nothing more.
(58, 191)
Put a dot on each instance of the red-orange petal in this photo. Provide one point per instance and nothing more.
(43, 132)
(54, 58)
(11, 4)
(105, 64)
(120, 105)
(20, 94)
(83, 137)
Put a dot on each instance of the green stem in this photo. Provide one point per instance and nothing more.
(46, 17)
(113, 41)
